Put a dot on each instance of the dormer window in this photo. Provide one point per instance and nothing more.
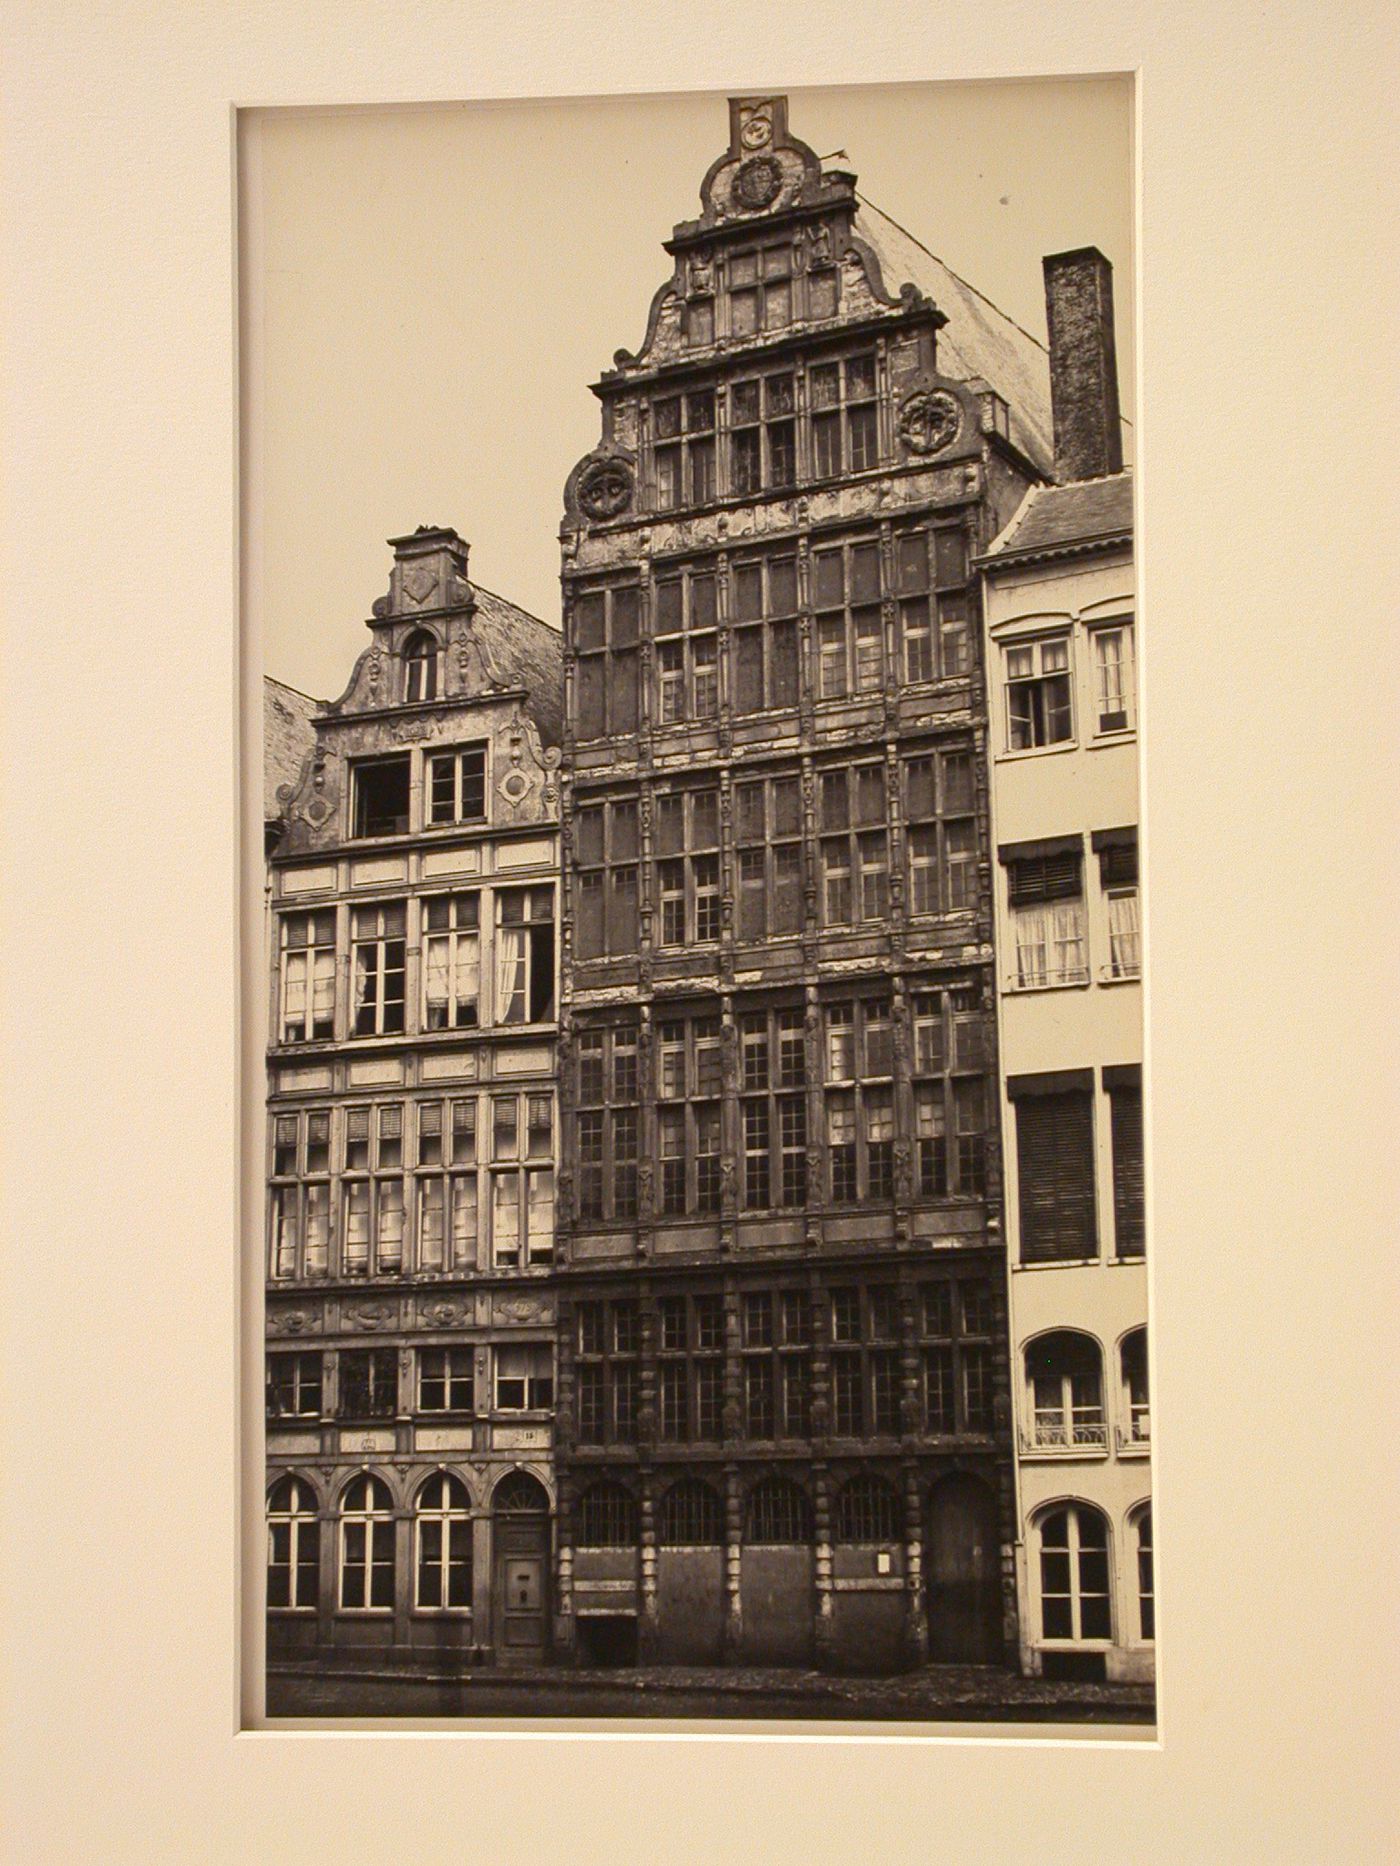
(420, 667)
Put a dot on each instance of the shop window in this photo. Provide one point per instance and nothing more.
(777, 1511)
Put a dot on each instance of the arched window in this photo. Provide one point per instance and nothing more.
(690, 1516)
(366, 1546)
(607, 1518)
(420, 667)
(1147, 1610)
(867, 1510)
(519, 1494)
(444, 1535)
(293, 1545)
(1074, 1588)
(1064, 1373)
(777, 1510)
(1139, 1412)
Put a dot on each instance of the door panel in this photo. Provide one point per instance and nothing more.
(964, 1594)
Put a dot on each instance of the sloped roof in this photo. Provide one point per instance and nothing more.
(977, 340)
(526, 650)
(1051, 518)
(288, 736)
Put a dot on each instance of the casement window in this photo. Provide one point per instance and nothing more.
(367, 1547)
(849, 622)
(606, 1123)
(700, 322)
(1114, 681)
(524, 955)
(604, 634)
(606, 850)
(451, 961)
(854, 845)
(457, 786)
(689, 1078)
(845, 435)
(294, 1386)
(762, 434)
(774, 1123)
(939, 800)
(777, 1511)
(950, 1092)
(1136, 1400)
(760, 289)
(308, 975)
(1055, 1169)
(300, 1194)
(859, 1039)
(687, 866)
(380, 789)
(1125, 1133)
(684, 624)
(868, 1510)
(931, 574)
(369, 1383)
(445, 1380)
(422, 667)
(866, 1381)
(377, 959)
(765, 642)
(1147, 1612)
(1045, 893)
(607, 1518)
(1118, 877)
(1074, 1574)
(684, 449)
(442, 1532)
(293, 1546)
(690, 1367)
(447, 1189)
(690, 1516)
(606, 1372)
(955, 1352)
(1038, 703)
(776, 1338)
(524, 1377)
(768, 835)
(1064, 1377)
(372, 1191)
(522, 1180)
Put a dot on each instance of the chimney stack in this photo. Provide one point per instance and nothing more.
(1083, 364)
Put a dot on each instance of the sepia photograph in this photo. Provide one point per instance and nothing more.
(706, 1265)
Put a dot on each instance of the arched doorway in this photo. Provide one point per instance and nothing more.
(520, 1569)
(963, 1572)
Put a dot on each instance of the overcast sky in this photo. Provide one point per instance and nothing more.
(429, 292)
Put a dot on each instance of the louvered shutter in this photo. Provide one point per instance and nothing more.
(1055, 1156)
(1128, 1200)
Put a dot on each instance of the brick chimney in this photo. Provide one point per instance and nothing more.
(1083, 364)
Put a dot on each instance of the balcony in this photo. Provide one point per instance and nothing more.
(1135, 1438)
(1066, 1435)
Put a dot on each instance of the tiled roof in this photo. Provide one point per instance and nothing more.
(528, 651)
(287, 738)
(1053, 517)
(977, 340)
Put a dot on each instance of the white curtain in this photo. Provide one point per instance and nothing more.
(1123, 934)
(510, 975)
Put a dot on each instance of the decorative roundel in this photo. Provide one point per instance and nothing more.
(514, 786)
(929, 420)
(758, 181)
(606, 489)
(757, 132)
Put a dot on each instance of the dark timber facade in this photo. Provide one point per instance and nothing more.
(783, 1428)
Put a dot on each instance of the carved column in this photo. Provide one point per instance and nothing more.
(915, 1618)
(824, 1624)
(729, 1118)
(649, 1626)
(733, 1565)
(812, 1066)
(564, 1645)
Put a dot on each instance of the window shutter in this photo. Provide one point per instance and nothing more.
(1055, 1158)
(1036, 878)
(357, 1124)
(1128, 1196)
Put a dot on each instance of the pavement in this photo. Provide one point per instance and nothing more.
(929, 1694)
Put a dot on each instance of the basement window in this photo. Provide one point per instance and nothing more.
(381, 797)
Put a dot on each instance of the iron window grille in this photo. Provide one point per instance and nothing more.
(690, 1516)
(777, 1511)
(867, 1510)
(607, 1518)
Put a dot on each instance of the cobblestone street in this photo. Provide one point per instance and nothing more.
(936, 1693)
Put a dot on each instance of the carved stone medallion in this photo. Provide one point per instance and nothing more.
(929, 420)
(758, 181)
(419, 584)
(606, 489)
